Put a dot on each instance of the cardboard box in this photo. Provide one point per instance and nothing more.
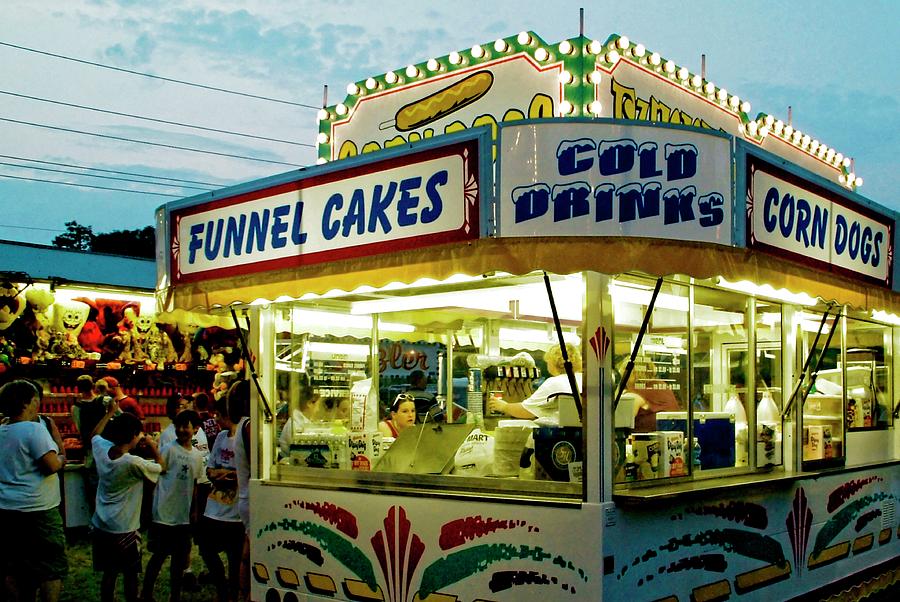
(671, 454)
(646, 453)
(813, 447)
(365, 450)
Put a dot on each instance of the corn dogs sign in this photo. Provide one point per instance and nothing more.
(565, 178)
(407, 201)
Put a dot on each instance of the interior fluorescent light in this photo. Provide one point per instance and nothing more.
(625, 293)
(767, 290)
(883, 316)
(531, 335)
(360, 351)
(324, 318)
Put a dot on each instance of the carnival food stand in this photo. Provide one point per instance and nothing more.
(731, 297)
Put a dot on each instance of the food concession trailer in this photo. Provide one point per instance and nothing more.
(731, 297)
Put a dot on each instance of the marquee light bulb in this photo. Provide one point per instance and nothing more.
(322, 138)
(655, 59)
(352, 89)
(779, 127)
(565, 107)
(524, 38)
(838, 158)
(751, 128)
(596, 108)
(595, 77)
(412, 71)
(798, 135)
(683, 74)
(745, 107)
(595, 47)
(433, 65)
(763, 132)
(769, 120)
(851, 177)
(721, 94)
(371, 83)
(477, 51)
(788, 130)
(623, 42)
(858, 182)
(696, 81)
(640, 50)
(341, 109)
(500, 45)
(455, 58)
(709, 88)
(804, 142)
(391, 77)
(670, 67)
(846, 162)
(823, 150)
(323, 114)
(612, 57)
(541, 54)
(734, 102)
(565, 77)
(813, 146)
(321, 161)
(842, 179)
(565, 47)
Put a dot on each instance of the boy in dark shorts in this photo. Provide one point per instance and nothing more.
(117, 517)
(176, 492)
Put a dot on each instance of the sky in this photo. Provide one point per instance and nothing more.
(832, 62)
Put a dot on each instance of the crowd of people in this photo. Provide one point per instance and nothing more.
(189, 492)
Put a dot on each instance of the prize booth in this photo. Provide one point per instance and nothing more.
(722, 423)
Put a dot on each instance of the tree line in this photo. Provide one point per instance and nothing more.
(132, 243)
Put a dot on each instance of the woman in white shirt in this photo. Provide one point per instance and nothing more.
(543, 404)
(34, 548)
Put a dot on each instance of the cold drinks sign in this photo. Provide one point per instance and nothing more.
(604, 179)
(794, 217)
(409, 201)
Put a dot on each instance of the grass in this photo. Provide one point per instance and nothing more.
(83, 584)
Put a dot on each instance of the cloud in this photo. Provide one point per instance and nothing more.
(139, 54)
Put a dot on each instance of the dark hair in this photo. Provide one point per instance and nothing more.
(188, 416)
(123, 428)
(395, 407)
(16, 395)
(84, 384)
(417, 376)
(201, 401)
(172, 404)
(221, 405)
(238, 400)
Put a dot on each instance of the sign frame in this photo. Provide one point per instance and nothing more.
(749, 159)
(472, 144)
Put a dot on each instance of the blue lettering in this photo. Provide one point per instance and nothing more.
(819, 226)
(803, 220)
(571, 201)
(616, 156)
(380, 204)
(712, 209)
(876, 255)
(603, 198)
(681, 161)
(356, 214)
(679, 205)
(298, 237)
(865, 247)
(769, 220)
(854, 240)
(429, 214)
(531, 201)
(647, 159)
(408, 201)
(330, 228)
(257, 230)
(786, 215)
(840, 234)
(572, 156)
(279, 226)
(634, 204)
(196, 242)
(211, 248)
(234, 235)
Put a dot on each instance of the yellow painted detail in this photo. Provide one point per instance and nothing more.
(260, 572)
(861, 544)
(751, 580)
(720, 590)
(829, 555)
(287, 577)
(360, 592)
(318, 583)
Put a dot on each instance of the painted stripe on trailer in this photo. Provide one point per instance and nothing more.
(829, 555)
(712, 592)
(761, 577)
(864, 543)
(358, 591)
(318, 583)
(884, 536)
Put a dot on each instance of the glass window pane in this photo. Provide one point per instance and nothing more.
(822, 413)
(868, 375)
(769, 395)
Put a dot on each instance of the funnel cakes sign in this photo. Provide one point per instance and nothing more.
(410, 200)
(604, 179)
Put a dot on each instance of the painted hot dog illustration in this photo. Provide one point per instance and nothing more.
(443, 102)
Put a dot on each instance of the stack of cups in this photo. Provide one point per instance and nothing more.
(509, 441)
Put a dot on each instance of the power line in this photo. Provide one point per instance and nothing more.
(126, 173)
(174, 196)
(166, 79)
(90, 175)
(30, 228)
(153, 119)
(173, 146)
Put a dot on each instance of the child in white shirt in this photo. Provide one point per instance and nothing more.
(176, 490)
(117, 517)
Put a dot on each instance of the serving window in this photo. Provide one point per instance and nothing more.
(454, 386)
